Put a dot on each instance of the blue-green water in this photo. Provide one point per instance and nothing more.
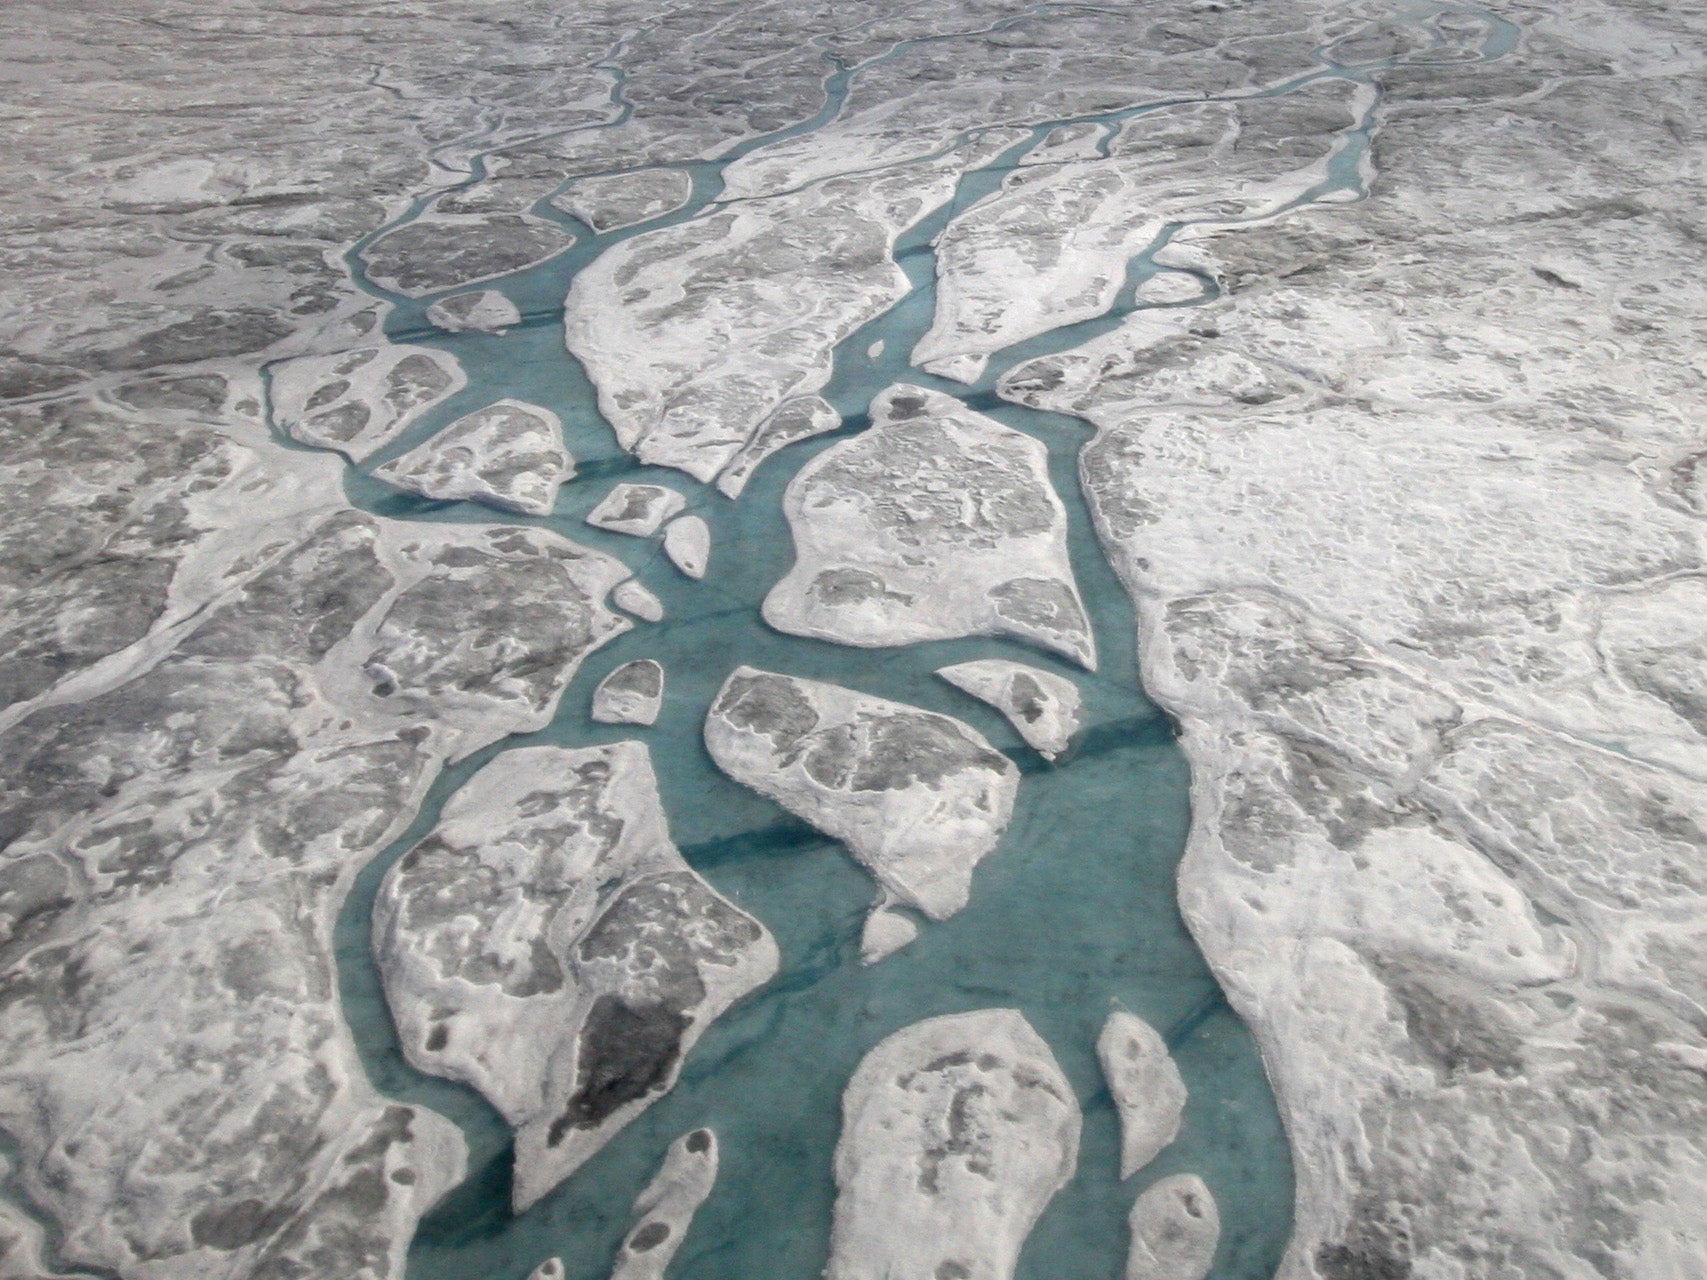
(1074, 912)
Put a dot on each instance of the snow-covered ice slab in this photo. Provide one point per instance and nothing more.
(631, 694)
(1146, 1087)
(636, 509)
(1175, 1227)
(936, 523)
(917, 797)
(690, 354)
(956, 1134)
(359, 401)
(687, 541)
(508, 455)
(1043, 708)
(483, 311)
(609, 202)
(665, 1209)
(450, 251)
(547, 944)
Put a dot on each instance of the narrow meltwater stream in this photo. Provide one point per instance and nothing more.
(1074, 913)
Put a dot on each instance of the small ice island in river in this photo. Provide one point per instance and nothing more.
(917, 798)
(964, 640)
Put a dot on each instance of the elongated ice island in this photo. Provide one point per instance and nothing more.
(1145, 1085)
(1043, 708)
(664, 1211)
(689, 358)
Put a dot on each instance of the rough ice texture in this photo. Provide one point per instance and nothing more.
(177, 1084)
(117, 521)
(450, 251)
(616, 200)
(359, 401)
(1042, 706)
(631, 694)
(956, 1133)
(550, 1269)
(918, 798)
(548, 945)
(1050, 250)
(1411, 520)
(185, 814)
(206, 221)
(694, 334)
(1052, 246)
(664, 1211)
(25, 1252)
(936, 523)
(637, 509)
(508, 455)
(1520, 272)
(687, 541)
(798, 419)
(483, 311)
(1175, 1227)
(1146, 1087)
(497, 627)
(1028, 67)
(1082, 141)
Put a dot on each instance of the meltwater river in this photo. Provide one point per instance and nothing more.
(1074, 912)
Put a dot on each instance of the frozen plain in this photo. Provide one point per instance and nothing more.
(1411, 507)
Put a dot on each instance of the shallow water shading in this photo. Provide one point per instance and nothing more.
(1073, 913)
